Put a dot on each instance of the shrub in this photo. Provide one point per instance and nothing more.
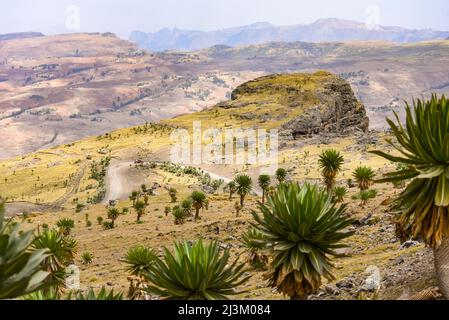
(108, 225)
(87, 257)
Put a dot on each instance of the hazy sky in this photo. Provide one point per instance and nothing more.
(123, 16)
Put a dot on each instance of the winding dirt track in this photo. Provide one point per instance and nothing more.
(119, 184)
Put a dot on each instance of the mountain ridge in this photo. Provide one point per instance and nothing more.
(323, 30)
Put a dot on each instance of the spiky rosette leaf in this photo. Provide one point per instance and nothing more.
(139, 260)
(91, 295)
(423, 147)
(61, 252)
(195, 272)
(20, 270)
(254, 243)
(252, 239)
(301, 228)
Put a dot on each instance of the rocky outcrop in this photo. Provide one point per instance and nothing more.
(299, 104)
(338, 111)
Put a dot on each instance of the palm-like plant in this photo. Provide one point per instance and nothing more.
(254, 243)
(244, 185)
(264, 183)
(20, 267)
(186, 206)
(113, 214)
(301, 228)
(339, 194)
(364, 177)
(61, 252)
(330, 162)
(195, 272)
(65, 226)
(172, 192)
(199, 202)
(231, 188)
(281, 175)
(423, 207)
(139, 207)
(179, 214)
(139, 259)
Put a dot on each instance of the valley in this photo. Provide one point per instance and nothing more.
(58, 89)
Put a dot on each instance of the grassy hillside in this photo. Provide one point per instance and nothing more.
(69, 181)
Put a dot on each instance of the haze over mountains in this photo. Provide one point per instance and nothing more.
(324, 30)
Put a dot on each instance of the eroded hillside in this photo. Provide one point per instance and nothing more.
(59, 89)
(74, 181)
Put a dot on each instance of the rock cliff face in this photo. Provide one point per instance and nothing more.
(338, 111)
(301, 104)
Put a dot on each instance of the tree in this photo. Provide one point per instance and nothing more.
(237, 208)
(113, 214)
(232, 188)
(199, 202)
(264, 184)
(330, 163)
(244, 186)
(423, 207)
(300, 237)
(179, 215)
(20, 266)
(364, 177)
(186, 206)
(281, 175)
(195, 271)
(139, 207)
(339, 194)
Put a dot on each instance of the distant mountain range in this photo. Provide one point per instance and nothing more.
(325, 30)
